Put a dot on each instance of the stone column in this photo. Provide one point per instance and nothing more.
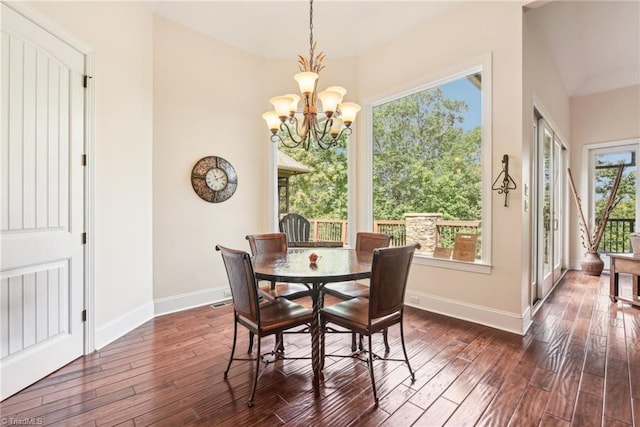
(421, 228)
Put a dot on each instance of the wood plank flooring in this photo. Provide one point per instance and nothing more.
(578, 365)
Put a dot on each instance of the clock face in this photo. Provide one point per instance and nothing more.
(214, 179)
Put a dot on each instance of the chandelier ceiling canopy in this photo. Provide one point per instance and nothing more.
(292, 130)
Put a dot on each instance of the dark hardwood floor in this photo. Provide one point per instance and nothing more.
(579, 365)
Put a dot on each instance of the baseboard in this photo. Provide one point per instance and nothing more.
(506, 321)
(123, 324)
(190, 300)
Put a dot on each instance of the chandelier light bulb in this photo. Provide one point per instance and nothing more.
(306, 81)
(294, 104)
(273, 121)
(336, 127)
(282, 105)
(330, 101)
(342, 91)
(348, 112)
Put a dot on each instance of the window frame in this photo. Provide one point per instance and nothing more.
(482, 65)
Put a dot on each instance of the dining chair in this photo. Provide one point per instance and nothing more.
(296, 227)
(384, 307)
(261, 244)
(266, 243)
(269, 318)
(345, 291)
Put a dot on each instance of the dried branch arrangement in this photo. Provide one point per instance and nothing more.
(589, 241)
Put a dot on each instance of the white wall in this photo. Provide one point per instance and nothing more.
(542, 88)
(468, 31)
(605, 116)
(602, 117)
(120, 34)
(207, 101)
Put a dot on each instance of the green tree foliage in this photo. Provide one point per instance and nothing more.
(422, 161)
(625, 198)
(322, 193)
(616, 236)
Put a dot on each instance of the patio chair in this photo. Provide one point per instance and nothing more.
(296, 227)
(269, 318)
(384, 307)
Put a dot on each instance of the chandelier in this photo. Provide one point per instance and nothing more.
(307, 129)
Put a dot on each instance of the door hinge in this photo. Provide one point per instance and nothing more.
(84, 160)
(84, 238)
(85, 80)
(84, 315)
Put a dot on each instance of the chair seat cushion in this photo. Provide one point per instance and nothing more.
(284, 290)
(347, 290)
(354, 314)
(278, 315)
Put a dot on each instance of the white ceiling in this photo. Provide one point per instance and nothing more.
(596, 44)
(280, 29)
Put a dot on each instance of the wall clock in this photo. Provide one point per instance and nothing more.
(214, 179)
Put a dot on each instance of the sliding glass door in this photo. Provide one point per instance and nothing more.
(549, 210)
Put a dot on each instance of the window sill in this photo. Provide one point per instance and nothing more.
(473, 267)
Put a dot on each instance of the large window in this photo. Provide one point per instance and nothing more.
(428, 175)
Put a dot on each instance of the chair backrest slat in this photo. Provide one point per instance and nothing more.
(367, 242)
(267, 243)
(296, 227)
(389, 274)
(242, 281)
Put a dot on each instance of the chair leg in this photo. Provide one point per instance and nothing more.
(255, 379)
(386, 339)
(404, 350)
(279, 343)
(373, 381)
(323, 326)
(250, 349)
(353, 342)
(233, 346)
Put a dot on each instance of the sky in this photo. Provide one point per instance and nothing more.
(463, 90)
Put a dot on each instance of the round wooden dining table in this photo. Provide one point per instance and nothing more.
(332, 265)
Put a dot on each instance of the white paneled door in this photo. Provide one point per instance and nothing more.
(41, 203)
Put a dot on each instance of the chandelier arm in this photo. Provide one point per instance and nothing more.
(275, 138)
(297, 140)
(325, 145)
(345, 131)
(323, 129)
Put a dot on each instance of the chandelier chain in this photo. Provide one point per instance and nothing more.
(311, 31)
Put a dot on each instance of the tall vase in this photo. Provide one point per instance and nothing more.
(592, 265)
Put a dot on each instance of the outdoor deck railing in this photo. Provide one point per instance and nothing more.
(615, 239)
(335, 230)
(616, 236)
(395, 228)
